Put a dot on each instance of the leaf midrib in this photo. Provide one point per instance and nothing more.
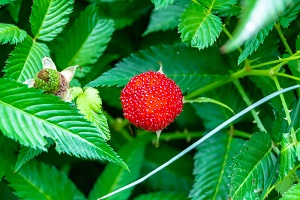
(55, 127)
(251, 172)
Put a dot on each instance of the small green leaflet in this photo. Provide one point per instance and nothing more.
(10, 33)
(286, 183)
(35, 181)
(199, 26)
(3, 2)
(252, 168)
(86, 39)
(25, 60)
(254, 42)
(255, 16)
(159, 4)
(287, 156)
(48, 17)
(217, 5)
(292, 194)
(289, 14)
(170, 15)
(90, 104)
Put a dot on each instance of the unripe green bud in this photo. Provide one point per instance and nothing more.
(48, 80)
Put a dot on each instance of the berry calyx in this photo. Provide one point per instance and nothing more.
(151, 101)
(48, 80)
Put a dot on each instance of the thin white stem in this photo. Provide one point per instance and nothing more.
(194, 145)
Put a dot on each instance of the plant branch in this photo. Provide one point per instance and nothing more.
(281, 60)
(248, 103)
(286, 110)
(287, 47)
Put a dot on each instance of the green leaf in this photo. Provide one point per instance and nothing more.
(113, 177)
(159, 4)
(212, 114)
(25, 60)
(48, 18)
(7, 153)
(287, 156)
(253, 43)
(279, 127)
(212, 167)
(173, 177)
(90, 104)
(252, 168)
(295, 64)
(29, 116)
(286, 183)
(191, 70)
(36, 180)
(209, 100)
(14, 9)
(292, 194)
(290, 14)
(3, 2)
(218, 5)
(199, 26)
(170, 21)
(234, 10)
(253, 20)
(26, 154)
(11, 34)
(162, 196)
(123, 12)
(298, 42)
(86, 40)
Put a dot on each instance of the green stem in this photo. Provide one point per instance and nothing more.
(287, 47)
(286, 110)
(248, 103)
(287, 76)
(224, 29)
(238, 133)
(282, 61)
(179, 136)
(239, 74)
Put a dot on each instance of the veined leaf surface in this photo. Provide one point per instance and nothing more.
(170, 21)
(38, 181)
(11, 34)
(48, 18)
(212, 181)
(188, 67)
(29, 116)
(114, 177)
(25, 60)
(252, 167)
(199, 26)
(159, 4)
(292, 194)
(86, 40)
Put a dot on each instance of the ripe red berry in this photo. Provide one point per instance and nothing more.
(151, 101)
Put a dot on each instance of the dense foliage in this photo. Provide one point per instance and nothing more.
(224, 56)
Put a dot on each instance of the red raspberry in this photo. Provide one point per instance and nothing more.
(151, 101)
